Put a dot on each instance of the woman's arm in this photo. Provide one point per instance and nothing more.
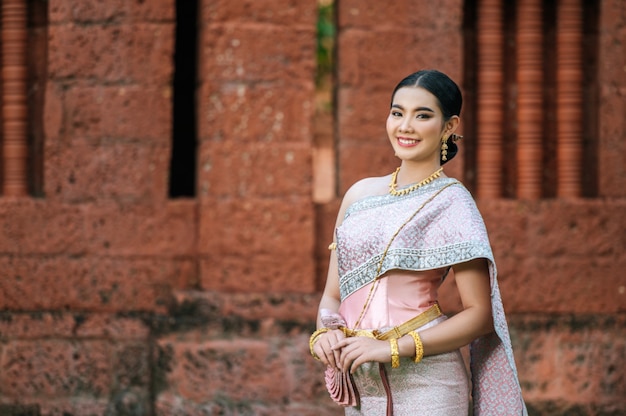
(472, 279)
(475, 320)
(331, 297)
(330, 300)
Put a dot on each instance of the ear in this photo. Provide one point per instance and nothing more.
(451, 125)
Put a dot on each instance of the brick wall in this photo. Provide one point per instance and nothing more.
(118, 300)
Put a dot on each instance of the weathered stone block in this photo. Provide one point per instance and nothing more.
(407, 14)
(131, 112)
(112, 53)
(571, 358)
(257, 113)
(261, 11)
(228, 170)
(89, 283)
(359, 160)
(256, 226)
(239, 369)
(131, 230)
(31, 226)
(258, 273)
(88, 171)
(56, 368)
(233, 52)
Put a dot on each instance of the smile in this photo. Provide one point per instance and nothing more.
(407, 142)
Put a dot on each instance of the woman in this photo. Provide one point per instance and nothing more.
(387, 347)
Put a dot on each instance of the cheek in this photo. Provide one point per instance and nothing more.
(390, 125)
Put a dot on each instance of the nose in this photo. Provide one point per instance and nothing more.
(405, 125)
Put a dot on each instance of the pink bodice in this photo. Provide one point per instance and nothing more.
(399, 296)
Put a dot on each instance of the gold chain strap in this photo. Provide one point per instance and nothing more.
(393, 237)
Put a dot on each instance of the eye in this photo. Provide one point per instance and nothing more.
(423, 116)
(396, 113)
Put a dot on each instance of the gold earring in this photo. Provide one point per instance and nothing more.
(444, 148)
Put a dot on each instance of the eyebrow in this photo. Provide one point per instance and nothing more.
(417, 109)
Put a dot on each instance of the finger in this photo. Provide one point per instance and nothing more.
(357, 363)
(337, 357)
(341, 344)
(329, 354)
(348, 354)
(325, 344)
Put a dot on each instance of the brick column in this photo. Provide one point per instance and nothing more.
(569, 98)
(490, 98)
(14, 112)
(529, 100)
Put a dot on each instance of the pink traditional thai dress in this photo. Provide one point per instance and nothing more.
(448, 230)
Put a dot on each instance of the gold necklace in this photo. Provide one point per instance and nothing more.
(393, 185)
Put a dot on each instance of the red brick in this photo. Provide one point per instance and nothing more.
(507, 223)
(73, 406)
(257, 226)
(233, 52)
(89, 283)
(31, 226)
(612, 88)
(258, 307)
(37, 325)
(565, 285)
(111, 327)
(364, 110)
(164, 230)
(262, 273)
(358, 160)
(56, 368)
(112, 53)
(401, 53)
(87, 11)
(571, 359)
(325, 220)
(90, 11)
(406, 14)
(131, 364)
(122, 170)
(232, 170)
(290, 13)
(130, 112)
(53, 112)
(239, 369)
(578, 228)
(258, 113)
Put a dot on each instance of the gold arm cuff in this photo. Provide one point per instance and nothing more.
(313, 340)
(332, 246)
(395, 354)
(419, 347)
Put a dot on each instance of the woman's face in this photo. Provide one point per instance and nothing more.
(415, 125)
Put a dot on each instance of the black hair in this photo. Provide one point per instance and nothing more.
(445, 91)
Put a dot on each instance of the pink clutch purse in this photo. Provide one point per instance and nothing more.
(341, 387)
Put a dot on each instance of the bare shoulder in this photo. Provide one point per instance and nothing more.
(362, 189)
(367, 187)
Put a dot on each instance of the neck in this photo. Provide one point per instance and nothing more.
(411, 173)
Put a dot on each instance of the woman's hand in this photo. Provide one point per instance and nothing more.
(355, 351)
(324, 347)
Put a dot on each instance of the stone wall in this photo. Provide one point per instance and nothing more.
(118, 300)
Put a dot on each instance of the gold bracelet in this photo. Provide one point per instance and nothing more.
(313, 340)
(419, 347)
(395, 354)
(332, 246)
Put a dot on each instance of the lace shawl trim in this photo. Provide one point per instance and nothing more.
(412, 260)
